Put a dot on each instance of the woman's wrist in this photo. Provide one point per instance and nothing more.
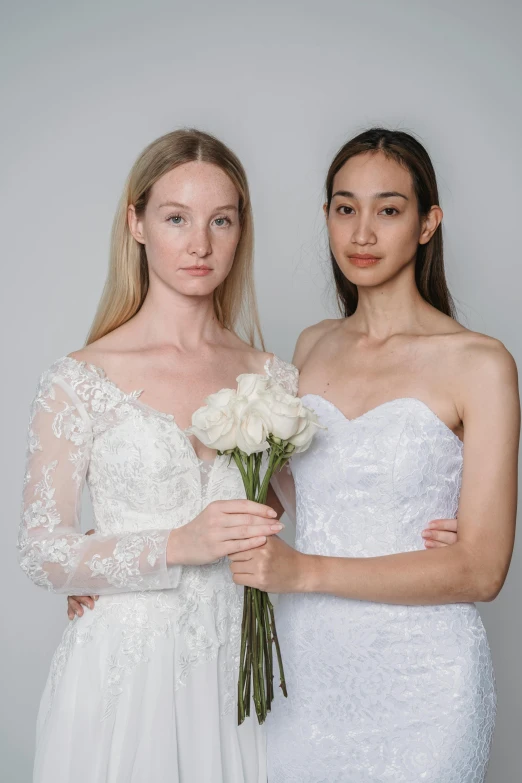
(309, 573)
(174, 548)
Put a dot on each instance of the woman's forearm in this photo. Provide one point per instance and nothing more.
(453, 574)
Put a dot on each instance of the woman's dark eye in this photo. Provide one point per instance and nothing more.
(389, 211)
(346, 210)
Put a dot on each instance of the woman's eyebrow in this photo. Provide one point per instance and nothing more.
(390, 194)
(184, 206)
(384, 194)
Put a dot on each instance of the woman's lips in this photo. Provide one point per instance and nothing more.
(363, 260)
(197, 271)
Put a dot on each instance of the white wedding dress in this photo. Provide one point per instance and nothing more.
(142, 688)
(378, 693)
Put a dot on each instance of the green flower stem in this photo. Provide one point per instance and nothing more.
(241, 681)
(239, 462)
(260, 655)
(268, 652)
(250, 477)
(278, 650)
(258, 631)
(258, 461)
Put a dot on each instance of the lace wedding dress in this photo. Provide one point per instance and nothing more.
(142, 688)
(378, 693)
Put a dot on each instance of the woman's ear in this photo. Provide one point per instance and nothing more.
(135, 224)
(430, 224)
(325, 210)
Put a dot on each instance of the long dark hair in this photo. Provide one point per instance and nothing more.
(429, 264)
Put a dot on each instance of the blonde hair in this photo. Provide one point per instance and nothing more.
(128, 278)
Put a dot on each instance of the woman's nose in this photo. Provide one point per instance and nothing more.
(364, 233)
(199, 243)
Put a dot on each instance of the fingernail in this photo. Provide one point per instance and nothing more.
(425, 534)
(96, 597)
(272, 513)
(277, 527)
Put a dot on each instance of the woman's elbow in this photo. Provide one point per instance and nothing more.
(491, 587)
(481, 576)
(488, 583)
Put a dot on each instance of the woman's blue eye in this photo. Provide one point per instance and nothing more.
(220, 222)
(176, 219)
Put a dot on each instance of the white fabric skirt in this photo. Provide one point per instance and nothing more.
(130, 706)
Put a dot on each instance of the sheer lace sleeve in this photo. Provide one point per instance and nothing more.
(284, 487)
(52, 550)
(283, 373)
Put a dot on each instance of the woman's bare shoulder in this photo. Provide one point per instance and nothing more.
(481, 364)
(309, 338)
(478, 350)
(110, 347)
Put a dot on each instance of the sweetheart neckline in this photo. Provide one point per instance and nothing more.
(384, 405)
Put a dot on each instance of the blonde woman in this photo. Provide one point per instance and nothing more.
(143, 688)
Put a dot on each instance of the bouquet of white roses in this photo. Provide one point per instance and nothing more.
(260, 426)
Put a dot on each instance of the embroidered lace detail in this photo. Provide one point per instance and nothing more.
(53, 551)
(283, 373)
(145, 479)
(379, 693)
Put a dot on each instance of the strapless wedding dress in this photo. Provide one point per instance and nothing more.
(379, 693)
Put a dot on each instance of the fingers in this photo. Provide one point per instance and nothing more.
(443, 524)
(243, 579)
(251, 520)
(437, 539)
(248, 532)
(238, 557)
(73, 608)
(74, 604)
(241, 567)
(236, 547)
(247, 507)
(440, 532)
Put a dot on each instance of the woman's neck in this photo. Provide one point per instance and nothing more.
(170, 318)
(396, 307)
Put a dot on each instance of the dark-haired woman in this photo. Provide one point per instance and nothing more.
(387, 661)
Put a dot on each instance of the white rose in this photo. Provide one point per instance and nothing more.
(308, 425)
(222, 399)
(253, 425)
(215, 424)
(252, 385)
(285, 412)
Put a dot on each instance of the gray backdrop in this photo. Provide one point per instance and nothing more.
(87, 85)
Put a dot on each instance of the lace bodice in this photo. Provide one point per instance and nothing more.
(396, 467)
(143, 474)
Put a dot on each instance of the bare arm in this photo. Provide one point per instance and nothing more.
(474, 569)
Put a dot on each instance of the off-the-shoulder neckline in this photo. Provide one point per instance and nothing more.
(135, 394)
(100, 373)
